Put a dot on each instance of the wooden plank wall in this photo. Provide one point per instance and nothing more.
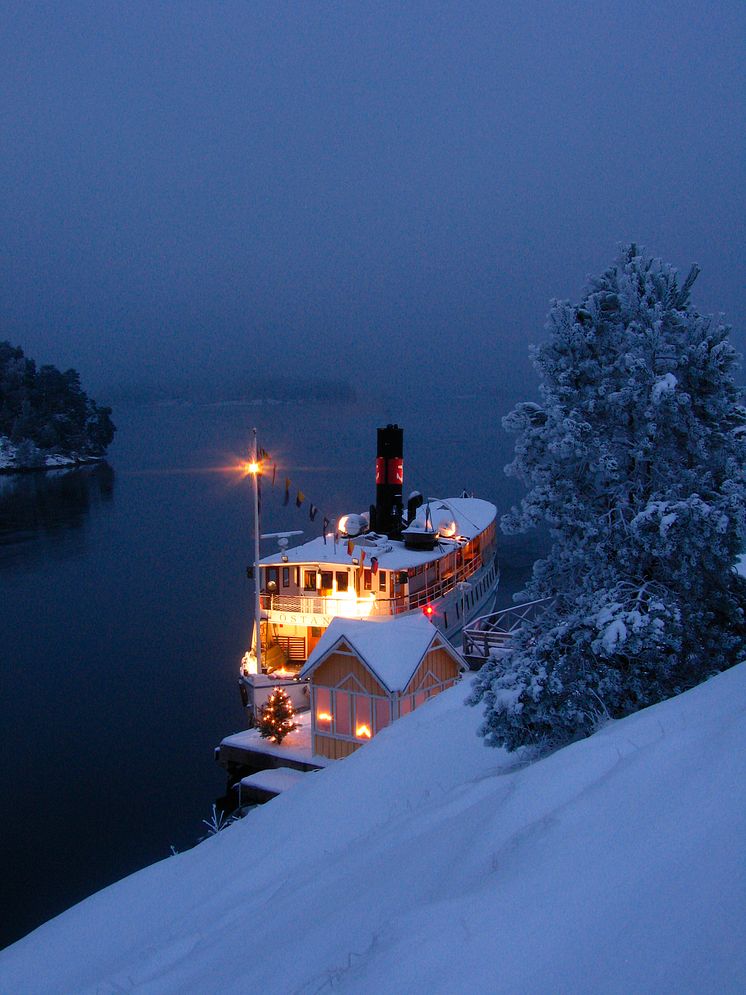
(440, 662)
(337, 666)
(334, 749)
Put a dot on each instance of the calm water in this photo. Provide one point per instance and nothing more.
(124, 611)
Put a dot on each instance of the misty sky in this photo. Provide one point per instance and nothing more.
(379, 192)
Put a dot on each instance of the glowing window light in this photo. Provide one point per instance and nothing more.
(363, 732)
(323, 717)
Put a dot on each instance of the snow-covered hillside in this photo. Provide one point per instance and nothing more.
(427, 863)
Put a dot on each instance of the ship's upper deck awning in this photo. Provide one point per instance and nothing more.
(470, 515)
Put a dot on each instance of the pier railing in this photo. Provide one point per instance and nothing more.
(492, 633)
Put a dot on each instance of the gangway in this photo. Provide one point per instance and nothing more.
(491, 634)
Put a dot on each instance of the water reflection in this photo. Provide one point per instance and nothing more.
(43, 510)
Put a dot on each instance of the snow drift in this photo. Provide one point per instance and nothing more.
(428, 863)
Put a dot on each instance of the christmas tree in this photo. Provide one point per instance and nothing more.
(277, 717)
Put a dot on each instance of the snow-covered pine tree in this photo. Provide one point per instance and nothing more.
(635, 458)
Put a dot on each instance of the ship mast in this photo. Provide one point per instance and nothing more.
(255, 469)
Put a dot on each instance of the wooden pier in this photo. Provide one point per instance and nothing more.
(245, 753)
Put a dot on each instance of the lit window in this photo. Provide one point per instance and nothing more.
(309, 580)
(342, 581)
(323, 708)
(342, 709)
(363, 719)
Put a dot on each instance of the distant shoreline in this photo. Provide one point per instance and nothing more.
(51, 461)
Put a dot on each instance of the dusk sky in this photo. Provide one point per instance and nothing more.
(375, 192)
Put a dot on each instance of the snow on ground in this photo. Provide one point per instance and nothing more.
(9, 456)
(275, 779)
(427, 862)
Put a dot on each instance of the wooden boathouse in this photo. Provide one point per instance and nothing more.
(365, 674)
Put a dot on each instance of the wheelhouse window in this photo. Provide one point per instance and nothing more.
(381, 580)
(343, 581)
(309, 580)
(367, 580)
(286, 576)
(271, 576)
(326, 582)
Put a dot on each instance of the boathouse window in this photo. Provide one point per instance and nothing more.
(383, 713)
(382, 580)
(324, 715)
(367, 580)
(342, 709)
(363, 719)
(286, 576)
(309, 580)
(326, 582)
(342, 580)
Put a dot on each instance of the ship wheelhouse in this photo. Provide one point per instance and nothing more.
(372, 575)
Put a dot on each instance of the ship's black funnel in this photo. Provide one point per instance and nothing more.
(389, 480)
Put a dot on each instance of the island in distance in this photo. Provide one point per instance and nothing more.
(46, 419)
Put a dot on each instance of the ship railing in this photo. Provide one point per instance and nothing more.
(432, 592)
(362, 607)
(492, 633)
(350, 607)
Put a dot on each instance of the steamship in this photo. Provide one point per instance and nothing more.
(437, 557)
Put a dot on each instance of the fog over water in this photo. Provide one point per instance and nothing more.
(380, 192)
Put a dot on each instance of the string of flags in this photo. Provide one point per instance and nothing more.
(300, 497)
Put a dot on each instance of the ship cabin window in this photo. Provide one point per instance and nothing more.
(367, 580)
(296, 571)
(309, 580)
(343, 581)
(381, 580)
(272, 576)
(286, 576)
(327, 580)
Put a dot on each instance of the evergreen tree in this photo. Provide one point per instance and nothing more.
(276, 718)
(635, 458)
(47, 410)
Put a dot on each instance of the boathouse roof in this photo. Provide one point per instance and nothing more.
(392, 649)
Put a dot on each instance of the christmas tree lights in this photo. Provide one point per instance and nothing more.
(277, 717)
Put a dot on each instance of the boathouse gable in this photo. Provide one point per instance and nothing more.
(351, 700)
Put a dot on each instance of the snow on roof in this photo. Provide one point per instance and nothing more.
(277, 779)
(391, 648)
(471, 515)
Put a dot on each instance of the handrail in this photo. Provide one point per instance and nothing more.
(309, 604)
(488, 632)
